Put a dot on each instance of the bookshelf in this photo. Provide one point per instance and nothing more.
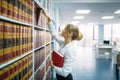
(25, 41)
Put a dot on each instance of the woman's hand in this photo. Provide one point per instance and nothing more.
(46, 15)
(51, 63)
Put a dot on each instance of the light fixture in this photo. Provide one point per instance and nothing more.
(90, 23)
(78, 17)
(75, 22)
(107, 17)
(117, 12)
(83, 11)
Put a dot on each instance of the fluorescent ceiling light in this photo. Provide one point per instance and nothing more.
(117, 12)
(90, 23)
(74, 22)
(78, 17)
(83, 11)
(107, 17)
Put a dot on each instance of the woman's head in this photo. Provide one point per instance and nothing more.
(72, 31)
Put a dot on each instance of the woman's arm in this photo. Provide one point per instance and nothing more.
(46, 15)
(51, 27)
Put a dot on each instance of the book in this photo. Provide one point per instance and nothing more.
(4, 7)
(1, 41)
(58, 59)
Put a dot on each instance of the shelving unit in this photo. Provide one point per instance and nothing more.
(25, 42)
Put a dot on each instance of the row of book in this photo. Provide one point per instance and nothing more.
(39, 57)
(49, 75)
(39, 38)
(15, 40)
(48, 49)
(48, 37)
(39, 18)
(19, 70)
(39, 75)
(47, 64)
(20, 10)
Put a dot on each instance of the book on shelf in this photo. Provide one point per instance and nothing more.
(4, 7)
(1, 41)
(58, 58)
(0, 7)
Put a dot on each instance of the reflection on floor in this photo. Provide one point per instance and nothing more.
(87, 67)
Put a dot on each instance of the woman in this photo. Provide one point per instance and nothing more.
(68, 46)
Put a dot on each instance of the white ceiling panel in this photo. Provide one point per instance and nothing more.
(67, 11)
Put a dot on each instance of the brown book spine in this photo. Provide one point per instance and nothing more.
(26, 11)
(14, 41)
(17, 40)
(15, 9)
(8, 41)
(19, 10)
(31, 11)
(4, 7)
(6, 73)
(42, 73)
(16, 73)
(23, 7)
(0, 7)
(26, 36)
(21, 36)
(1, 74)
(24, 67)
(21, 64)
(10, 8)
(1, 42)
(12, 70)
(31, 40)
(30, 65)
(26, 74)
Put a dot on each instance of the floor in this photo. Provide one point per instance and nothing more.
(87, 67)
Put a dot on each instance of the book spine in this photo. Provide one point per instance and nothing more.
(14, 41)
(0, 6)
(20, 11)
(42, 73)
(30, 65)
(47, 64)
(25, 77)
(21, 36)
(17, 40)
(21, 64)
(5, 74)
(16, 73)
(31, 41)
(12, 70)
(8, 41)
(28, 37)
(35, 60)
(15, 9)
(10, 8)
(23, 13)
(48, 49)
(4, 8)
(23, 40)
(1, 41)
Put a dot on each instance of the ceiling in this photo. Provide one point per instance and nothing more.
(67, 10)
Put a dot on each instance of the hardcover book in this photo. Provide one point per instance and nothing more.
(58, 59)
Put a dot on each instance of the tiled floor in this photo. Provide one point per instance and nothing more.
(87, 67)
